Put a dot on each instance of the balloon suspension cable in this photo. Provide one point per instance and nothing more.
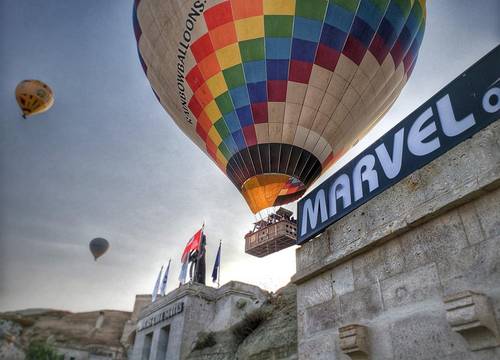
(256, 220)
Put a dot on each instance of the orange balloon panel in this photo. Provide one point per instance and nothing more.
(274, 91)
(262, 191)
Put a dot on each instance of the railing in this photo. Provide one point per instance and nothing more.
(282, 230)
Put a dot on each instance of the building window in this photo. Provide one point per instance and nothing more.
(163, 343)
(146, 349)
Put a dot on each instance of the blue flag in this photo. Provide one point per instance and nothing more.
(215, 271)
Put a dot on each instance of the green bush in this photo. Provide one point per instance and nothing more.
(205, 340)
(38, 350)
(250, 322)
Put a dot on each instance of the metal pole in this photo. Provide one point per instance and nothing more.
(220, 263)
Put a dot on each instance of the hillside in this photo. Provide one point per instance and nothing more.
(97, 331)
(268, 333)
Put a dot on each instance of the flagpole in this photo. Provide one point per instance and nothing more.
(220, 258)
(157, 286)
(165, 279)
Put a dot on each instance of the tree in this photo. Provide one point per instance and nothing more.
(38, 350)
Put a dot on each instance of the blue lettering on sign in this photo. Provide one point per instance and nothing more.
(157, 318)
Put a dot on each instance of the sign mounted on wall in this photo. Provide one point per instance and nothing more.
(462, 108)
(164, 315)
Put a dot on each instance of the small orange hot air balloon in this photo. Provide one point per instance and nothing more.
(34, 97)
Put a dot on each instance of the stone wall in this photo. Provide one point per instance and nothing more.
(204, 310)
(274, 338)
(415, 272)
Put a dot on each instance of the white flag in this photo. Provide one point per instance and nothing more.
(165, 279)
(157, 285)
(182, 275)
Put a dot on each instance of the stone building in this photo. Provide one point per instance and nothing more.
(415, 272)
(128, 335)
(168, 328)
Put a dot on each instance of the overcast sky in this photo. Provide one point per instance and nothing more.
(108, 161)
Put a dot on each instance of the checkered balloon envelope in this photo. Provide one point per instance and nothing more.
(275, 91)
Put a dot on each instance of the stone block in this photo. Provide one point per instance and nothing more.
(488, 210)
(378, 264)
(315, 291)
(322, 346)
(371, 221)
(321, 317)
(312, 252)
(411, 287)
(458, 263)
(361, 304)
(488, 354)
(324, 287)
(354, 341)
(471, 315)
(424, 335)
(342, 278)
(352, 230)
(475, 268)
(472, 225)
(433, 241)
(380, 340)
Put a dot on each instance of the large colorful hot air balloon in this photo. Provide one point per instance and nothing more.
(34, 97)
(274, 91)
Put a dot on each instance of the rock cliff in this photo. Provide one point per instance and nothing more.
(89, 331)
(267, 333)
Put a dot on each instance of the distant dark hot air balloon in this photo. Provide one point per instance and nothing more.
(275, 91)
(98, 247)
(34, 97)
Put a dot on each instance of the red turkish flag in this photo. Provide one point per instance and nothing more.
(193, 244)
